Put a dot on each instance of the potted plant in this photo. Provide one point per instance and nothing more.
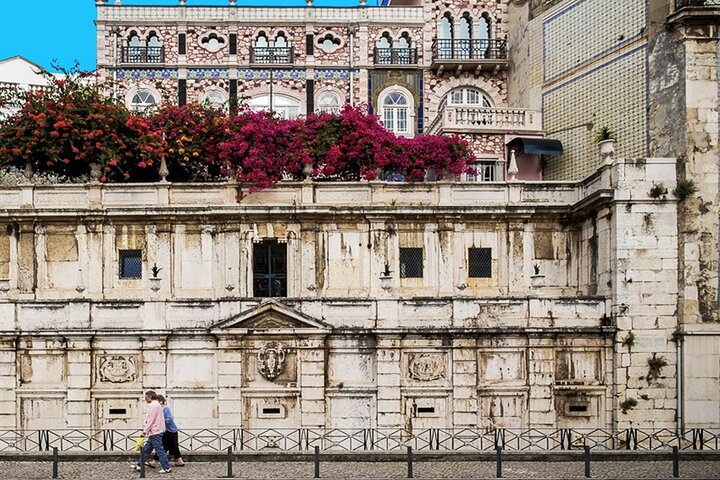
(386, 277)
(537, 279)
(605, 140)
(155, 280)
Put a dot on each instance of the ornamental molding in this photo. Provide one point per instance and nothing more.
(427, 367)
(261, 16)
(117, 368)
(271, 360)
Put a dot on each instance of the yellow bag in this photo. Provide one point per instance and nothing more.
(139, 443)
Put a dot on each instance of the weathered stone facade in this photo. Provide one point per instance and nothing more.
(674, 49)
(350, 345)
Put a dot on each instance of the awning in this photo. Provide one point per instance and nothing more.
(536, 146)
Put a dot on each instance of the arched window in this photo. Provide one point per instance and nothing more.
(396, 111)
(329, 102)
(142, 100)
(261, 49)
(484, 36)
(281, 40)
(215, 99)
(445, 36)
(468, 96)
(154, 48)
(283, 106)
(464, 36)
(402, 49)
(384, 49)
(133, 52)
(134, 40)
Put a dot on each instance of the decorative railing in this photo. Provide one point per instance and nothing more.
(696, 3)
(272, 55)
(374, 439)
(396, 56)
(446, 49)
(479, 119)
(146, 55)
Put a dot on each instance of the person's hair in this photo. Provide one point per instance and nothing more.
(161, 399)
(151, 394)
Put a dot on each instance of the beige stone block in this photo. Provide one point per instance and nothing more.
(313, 419)
(388, 394)
(225, 368)
(465, 419)
(229, 406)
(313, 368)
(8, 408)
(77, 381)
(313, 381)
(312, 406)
(79, 369)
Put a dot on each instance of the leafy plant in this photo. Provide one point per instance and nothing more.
(658, 190)
(677, 335)
(655, 365)
(155, 270)
(685, 189)
(604, 133)
(628, 404)
(629, 340)
(536, 268)
(387, 272)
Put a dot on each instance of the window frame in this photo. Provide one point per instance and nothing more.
(404, 262)
(489, 266)
(270, 275)
(124, 254)
(408, 109)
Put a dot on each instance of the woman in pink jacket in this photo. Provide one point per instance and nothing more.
(153, 431)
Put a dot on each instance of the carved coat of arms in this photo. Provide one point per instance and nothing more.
(271, 360)
(427, 367)
(117, 369)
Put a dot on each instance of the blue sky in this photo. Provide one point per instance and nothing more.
(44, 30)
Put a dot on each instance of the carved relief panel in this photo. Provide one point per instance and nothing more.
(117, 369)
(425, 368)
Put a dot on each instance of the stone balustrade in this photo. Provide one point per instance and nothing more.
(465, 119)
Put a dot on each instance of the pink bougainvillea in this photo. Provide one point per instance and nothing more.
(73, 124)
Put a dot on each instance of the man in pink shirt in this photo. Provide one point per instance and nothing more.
(153, 432)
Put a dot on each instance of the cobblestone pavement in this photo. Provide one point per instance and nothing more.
(353, 470)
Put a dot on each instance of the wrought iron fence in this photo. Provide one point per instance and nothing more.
(149, 55)
(696, 3)
(396, 56)
(275, 55)
(377, 439)
(477, 49)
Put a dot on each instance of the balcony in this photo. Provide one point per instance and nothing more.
(143, 55)
(469, 55)
(465, 119)
(390, 57)
(272, 55)
(696, 12)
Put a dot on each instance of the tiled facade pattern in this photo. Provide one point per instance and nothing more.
(613, 95)
(587, 29)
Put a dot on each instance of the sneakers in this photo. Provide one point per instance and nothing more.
(135, 467)
(162, 470)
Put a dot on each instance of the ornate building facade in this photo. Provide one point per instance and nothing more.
(497, 300)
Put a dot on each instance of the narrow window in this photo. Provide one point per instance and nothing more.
(233, 44)
(479, 263)
(181, 44)
(270, 269)
(411, 263)
(130, 264)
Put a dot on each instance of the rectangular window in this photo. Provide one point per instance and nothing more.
(479, 263)
(130, 264)
(309, 44)
(181, 44)
(411, 263)
(402, 120)
(388, 119)
(182, 92)
(233, 44)
(482, 172)
(270, 269)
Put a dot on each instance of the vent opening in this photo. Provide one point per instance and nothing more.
(117, 411)
(271, 411)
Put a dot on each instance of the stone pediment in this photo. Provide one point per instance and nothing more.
(270, 317)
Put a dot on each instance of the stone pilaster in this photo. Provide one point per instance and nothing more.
(464, 382)
(154, 360)
(311, 358)
(8, 384)
(79, 373)
(230, 371)
(541, 366)
(389, 375)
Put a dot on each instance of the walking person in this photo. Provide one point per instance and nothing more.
(170, 437)
(153, 430)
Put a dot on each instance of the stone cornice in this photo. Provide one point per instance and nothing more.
(258, 15)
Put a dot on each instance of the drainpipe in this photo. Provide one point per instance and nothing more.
(679, 383)
(115, 30)
(351, 33)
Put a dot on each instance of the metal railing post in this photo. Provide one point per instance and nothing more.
(587, 461)
(498, 463)
(55, 463)
(317, 462)
(142, 465)
(675, 463)
(410, 462)
(229, 462)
